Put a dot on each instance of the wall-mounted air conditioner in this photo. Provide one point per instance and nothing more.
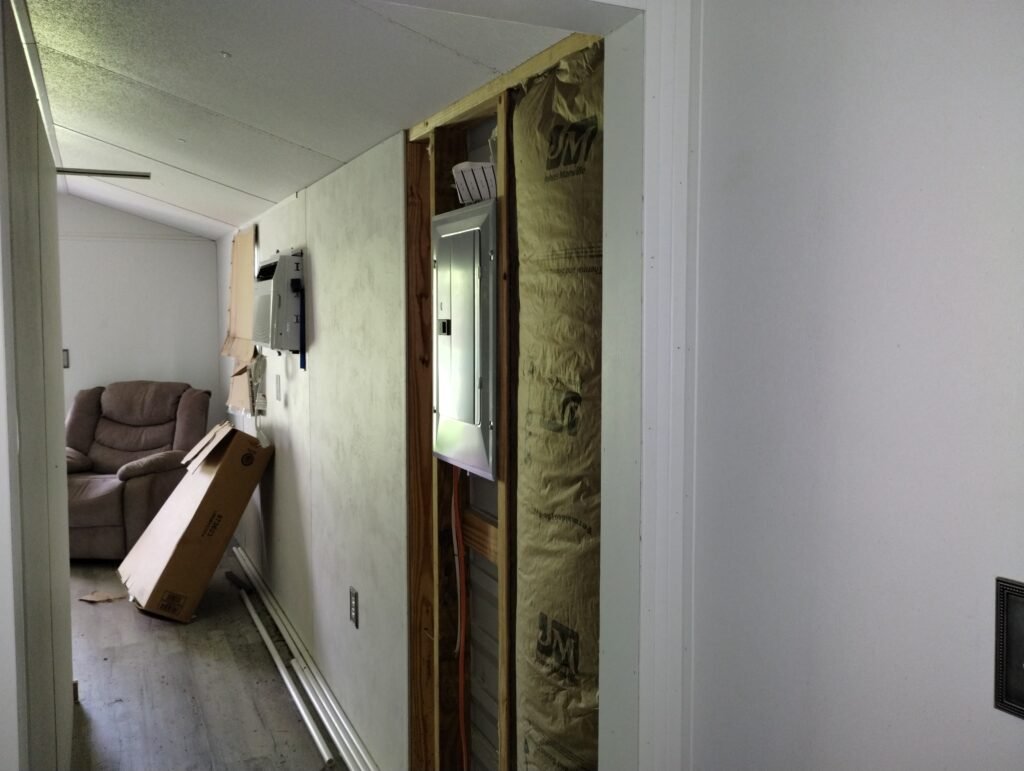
(278, 303)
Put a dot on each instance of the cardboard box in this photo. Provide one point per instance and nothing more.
(168, 569)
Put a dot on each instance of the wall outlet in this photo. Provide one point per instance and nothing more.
(353, 606)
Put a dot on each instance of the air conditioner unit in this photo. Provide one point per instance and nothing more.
(278, 303)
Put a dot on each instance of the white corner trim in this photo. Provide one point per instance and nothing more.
(666, 494)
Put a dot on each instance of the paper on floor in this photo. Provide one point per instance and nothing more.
(99, 596)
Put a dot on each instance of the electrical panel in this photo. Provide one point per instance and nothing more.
(278, 303)
(464, 247)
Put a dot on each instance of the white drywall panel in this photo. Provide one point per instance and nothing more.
(139, 301)
(149, 208)
(23, 146)
(13, 667)
(283, 524)
(52, 433)
(620, 396)
(13, 732)
(859, 446)
(358, 442)
(39, 525)
(78, 216)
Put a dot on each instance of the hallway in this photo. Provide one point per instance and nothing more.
(156, 695)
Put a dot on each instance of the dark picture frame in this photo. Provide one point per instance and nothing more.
(1009, 676)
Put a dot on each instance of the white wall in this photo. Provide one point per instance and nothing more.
(859, 353)
(140, 301)
(618, 734)
(35, 645)
(334, 508)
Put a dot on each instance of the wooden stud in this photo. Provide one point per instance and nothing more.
(447, 147)
(483, 101)
(419, 471)
(507, 363)
(480, 535)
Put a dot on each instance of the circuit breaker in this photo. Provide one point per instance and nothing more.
(464, 247)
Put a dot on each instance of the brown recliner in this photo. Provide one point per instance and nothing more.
(125, 444)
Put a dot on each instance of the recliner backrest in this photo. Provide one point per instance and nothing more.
(190, 424)
(130, 420)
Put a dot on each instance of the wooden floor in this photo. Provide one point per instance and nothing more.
(158, 695)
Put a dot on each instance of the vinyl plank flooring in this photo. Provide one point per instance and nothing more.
(228, 711)
(156, 695)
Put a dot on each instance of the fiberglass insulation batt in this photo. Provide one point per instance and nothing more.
(557, 145)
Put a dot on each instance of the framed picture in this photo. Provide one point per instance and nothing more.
(1009, 695)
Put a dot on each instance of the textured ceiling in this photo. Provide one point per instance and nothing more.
(235, 104)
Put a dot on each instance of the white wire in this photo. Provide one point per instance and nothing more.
(458, 577)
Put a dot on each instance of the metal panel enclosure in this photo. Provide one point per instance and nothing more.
(464, 249)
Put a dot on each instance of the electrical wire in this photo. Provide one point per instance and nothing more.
(457, 551)
(460, 644)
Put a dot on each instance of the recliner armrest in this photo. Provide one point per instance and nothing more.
(168, 460)
(77, 461)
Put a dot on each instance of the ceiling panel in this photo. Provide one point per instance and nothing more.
(499, 46)
(335, 76)
(588, 16)
(183, 190)
(236, 104)
(119, 198)
(120, 111)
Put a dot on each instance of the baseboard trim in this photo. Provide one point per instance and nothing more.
(343, 735)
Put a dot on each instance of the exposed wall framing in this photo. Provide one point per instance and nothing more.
(418, 460)
(435, 145)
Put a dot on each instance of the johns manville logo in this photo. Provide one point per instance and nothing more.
(559, 646)
(569, 147)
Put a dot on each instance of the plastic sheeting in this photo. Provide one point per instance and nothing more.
(557, 146)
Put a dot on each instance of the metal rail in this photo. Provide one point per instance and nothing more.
(307, 717)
